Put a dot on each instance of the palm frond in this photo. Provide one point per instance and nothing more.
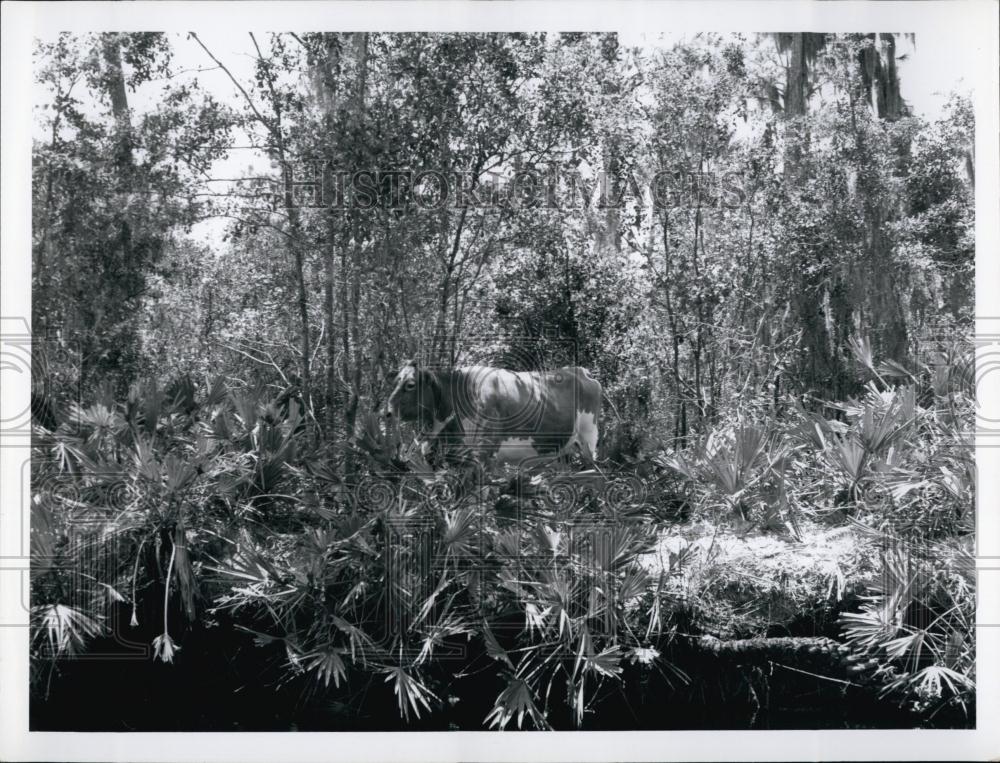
(516, 700)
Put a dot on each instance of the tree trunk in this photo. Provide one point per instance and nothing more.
(892, 100)
(795, 78)
(123, 163)
(880, 77)
(361, 87)
(327, 70)
(345, 315)
(680, 420)
(111, 50)
(295, 246)
(329, 307)
(795, 102)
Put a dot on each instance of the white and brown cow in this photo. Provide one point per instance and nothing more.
(513, 416)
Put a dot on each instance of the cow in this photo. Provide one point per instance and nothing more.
(511, 416)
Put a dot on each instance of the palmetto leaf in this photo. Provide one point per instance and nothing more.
(216, 392)
(535, 617)
(145, 462)
(554, 590)
(751, 443)
(411, 695)
(269, 437)
(516, 700)
(723, 469)
(902, 482)
(493, 648)
(861, 349)
(221, 429)
(903, 646)
(849, 456)
(245, 405)
(866, 629)
(248, 564)
(112, 593)
(327, 664)
(679, 463)
(878, 430)
(634, 584)
(101, 420)
(508, 543)
(448, 626)
(606, 663)
(929, 681)
(67, 629)
(459, 531)
(644, 655)
(730, 460)
(953, 679)
(178, 473)
(612, 547)
(882, 619)
(68, 453)
(547, 539)
(894, 370)
(361, 643)
(812, 428)
(584, 650)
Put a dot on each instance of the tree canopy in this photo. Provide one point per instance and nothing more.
(696, 223)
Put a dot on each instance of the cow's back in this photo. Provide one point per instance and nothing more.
(524, 414)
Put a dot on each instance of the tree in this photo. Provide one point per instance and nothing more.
(109, 192)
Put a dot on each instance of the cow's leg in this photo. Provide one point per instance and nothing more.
(585, 436)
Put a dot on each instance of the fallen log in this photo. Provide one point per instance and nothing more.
(792, 651)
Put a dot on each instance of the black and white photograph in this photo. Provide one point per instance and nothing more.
(443, 375)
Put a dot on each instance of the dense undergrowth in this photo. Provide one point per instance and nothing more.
(212, 509)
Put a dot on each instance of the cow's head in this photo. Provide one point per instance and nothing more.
(416, 396)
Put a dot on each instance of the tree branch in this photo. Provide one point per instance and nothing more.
(253, 107)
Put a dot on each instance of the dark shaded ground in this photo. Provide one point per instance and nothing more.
(222, 682)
